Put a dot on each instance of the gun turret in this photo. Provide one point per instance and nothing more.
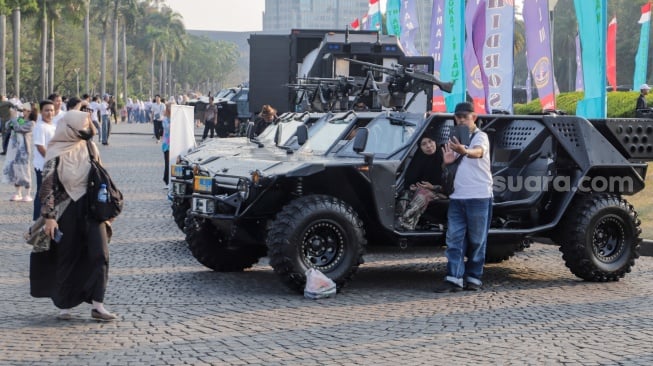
(402, 80)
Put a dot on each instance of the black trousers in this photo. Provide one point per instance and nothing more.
(209, 127)
(158, 129)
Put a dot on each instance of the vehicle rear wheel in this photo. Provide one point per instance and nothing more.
(600, 238)
(180, 209)
(320, 232)
(212, 249)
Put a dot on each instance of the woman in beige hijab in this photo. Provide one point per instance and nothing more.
(76, 268)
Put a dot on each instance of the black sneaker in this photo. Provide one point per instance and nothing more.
(446, 287)
(472, 287)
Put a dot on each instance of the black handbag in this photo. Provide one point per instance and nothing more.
(97, 176)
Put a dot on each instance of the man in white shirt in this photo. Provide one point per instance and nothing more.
(158, 111)
(105, 120)
(470, 206)
(41, 136)
(58, 108)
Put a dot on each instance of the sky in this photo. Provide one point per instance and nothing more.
(220, 15)
(228, 15)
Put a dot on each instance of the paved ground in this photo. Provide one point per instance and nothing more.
(173, 311)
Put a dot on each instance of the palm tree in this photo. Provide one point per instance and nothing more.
(123, 16)
(3, 51)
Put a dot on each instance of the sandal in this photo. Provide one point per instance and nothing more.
(16, 197)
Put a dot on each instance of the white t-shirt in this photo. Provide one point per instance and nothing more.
(95, 107)
(474, 176)
(58, 117)
(158, 111)
(41, 135)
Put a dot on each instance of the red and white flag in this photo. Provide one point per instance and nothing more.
(355, 25)
(646, 14)
(611, 54)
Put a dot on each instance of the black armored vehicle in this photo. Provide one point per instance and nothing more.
(558, 179)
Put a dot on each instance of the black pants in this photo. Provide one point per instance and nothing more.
(37, 199)
(158, 129)
(5, 139)
(166, 159)
(209, 126)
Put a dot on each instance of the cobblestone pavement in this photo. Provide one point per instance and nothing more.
(174, 311)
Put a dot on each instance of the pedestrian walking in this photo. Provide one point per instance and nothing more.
(75, 267)
(18, 163)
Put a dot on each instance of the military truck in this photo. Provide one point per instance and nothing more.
(322, 211)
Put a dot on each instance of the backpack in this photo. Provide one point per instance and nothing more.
(102, 211)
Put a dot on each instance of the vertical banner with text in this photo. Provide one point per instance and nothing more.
(475, 32)
(409, 26)
(498, 60)
(452, 68)
(538, 50)
(611, 49)
(592, 29)
(435, 50)
(642, 51)
(392, 22)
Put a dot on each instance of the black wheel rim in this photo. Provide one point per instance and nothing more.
(608, 239)
(323, 245)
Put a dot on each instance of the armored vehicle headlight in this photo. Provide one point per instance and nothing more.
(177, 171)
(243, 188)
(203, 184)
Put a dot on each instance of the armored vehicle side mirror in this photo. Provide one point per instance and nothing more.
(250, 130)
(302, 134)
(360, 140)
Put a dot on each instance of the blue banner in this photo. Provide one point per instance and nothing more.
(392, 23)
(435, 50)
(498, 54)
(452, 68)
(642, 51)
(409, 27)
(592, 28)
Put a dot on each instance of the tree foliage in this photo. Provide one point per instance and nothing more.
(188, 61)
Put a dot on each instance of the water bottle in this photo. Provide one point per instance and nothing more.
(103, 194)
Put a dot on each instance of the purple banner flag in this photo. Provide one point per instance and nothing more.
(409, 26)
(435, 50)
(475, 30)
(538, 49)
(498, 54)
(580, 86)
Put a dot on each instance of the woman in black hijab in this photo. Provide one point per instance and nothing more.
(422, 180)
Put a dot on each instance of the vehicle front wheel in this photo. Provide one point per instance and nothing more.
(600, 239)
(320, 232)
(212, 249)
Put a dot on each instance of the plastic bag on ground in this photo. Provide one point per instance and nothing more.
(318, 286)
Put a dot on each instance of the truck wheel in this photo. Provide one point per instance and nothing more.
(179, 211)
(600, 238)
(318, 232)
(209, 246)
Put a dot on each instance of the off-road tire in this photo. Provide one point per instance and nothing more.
(600, 237)
(320, 232)
(209, 247)
(180, 211)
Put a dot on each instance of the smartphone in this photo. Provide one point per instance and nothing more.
(461, 132)
(57, 235)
